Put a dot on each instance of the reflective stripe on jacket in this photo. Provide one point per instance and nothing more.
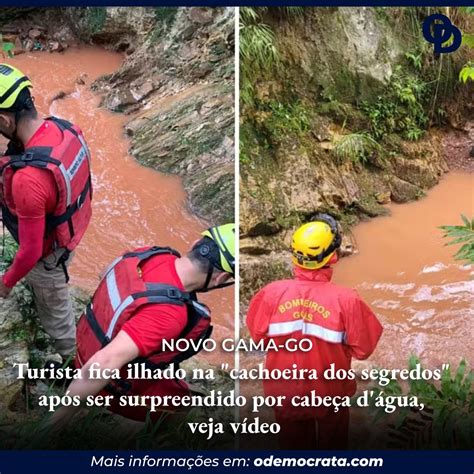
(336, 319)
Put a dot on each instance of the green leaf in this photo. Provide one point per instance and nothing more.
(8, 48)
(462, 235)
(467, 73)
(466, 221)
(468, 40)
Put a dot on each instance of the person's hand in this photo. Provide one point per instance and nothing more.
(4, 290)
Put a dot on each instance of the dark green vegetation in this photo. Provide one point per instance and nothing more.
(447, 421)
(467, 72)
(342, 111)
(29, 329)
(164, 18)
(97, 428)
(412, 100)
(462, 234)
(94, 19)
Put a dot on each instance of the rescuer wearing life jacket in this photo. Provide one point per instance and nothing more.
(45, 199)
(338, 322)
(147, 296)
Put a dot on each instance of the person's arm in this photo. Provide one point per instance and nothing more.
(115, 355)
(33, 193)
(31, 232)
(363, 330)
(258, 316)
(141, 335)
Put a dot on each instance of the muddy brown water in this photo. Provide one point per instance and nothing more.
(422, 296)
(133, 205)
(404, 270)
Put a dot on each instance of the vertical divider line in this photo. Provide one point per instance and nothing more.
(237, 215)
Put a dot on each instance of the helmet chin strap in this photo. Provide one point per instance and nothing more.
(205, 288)
(210, 271)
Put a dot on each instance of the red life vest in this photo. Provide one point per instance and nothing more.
(121, 292)
(69, 162)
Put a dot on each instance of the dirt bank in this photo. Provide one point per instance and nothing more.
(175, 86)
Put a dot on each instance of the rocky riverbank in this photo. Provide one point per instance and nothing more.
(342, 122)
(176, 84)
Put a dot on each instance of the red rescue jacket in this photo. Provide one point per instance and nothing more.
(339, 323)
(69, 162)
(120, 294)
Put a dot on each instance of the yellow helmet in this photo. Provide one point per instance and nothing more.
(224, 237)
(12, 82)
(314, 243)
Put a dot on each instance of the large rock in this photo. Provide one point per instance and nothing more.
(403, 191)
(183, 93)
(348, 52)
(13, 350)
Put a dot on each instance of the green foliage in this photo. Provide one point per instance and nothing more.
(462, 234)
(95, 19)
(284, 119)
(24, 297)
(415, 59)
(164, 17)
(276, 120)
(451, 403)
(166, 14)
(290, 11)
(257, 49)
(23, 292)
(9, 250)
(355, 147)
(402, 109)
(257, 46)
(7, 48)
(468, 40)
(467, 73)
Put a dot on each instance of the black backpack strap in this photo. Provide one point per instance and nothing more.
(118, 387)
(95, 326)
(10, 221)
(146, 254)
(63, 125)
(37, 159)
(195, 310)
(14, 148)
(54, 221)
(154, 294)
(141, 255)
(163, 293)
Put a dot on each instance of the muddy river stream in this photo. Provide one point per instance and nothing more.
(408, 275)
(133, 205)
(404, 270)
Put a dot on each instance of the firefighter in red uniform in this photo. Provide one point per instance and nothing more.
(147, 296)
(45, 199)
(338, 322)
